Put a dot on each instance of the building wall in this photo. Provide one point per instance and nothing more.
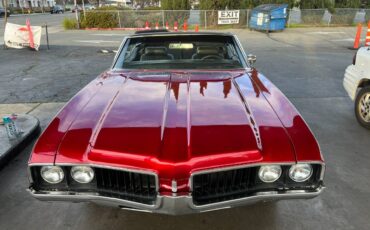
(30, 3)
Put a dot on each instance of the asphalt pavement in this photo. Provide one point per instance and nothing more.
(306, 64)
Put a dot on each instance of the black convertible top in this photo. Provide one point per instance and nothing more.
(153, 33)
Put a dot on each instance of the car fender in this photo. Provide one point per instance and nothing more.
(352, 79)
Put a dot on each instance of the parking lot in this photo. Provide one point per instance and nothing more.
(307, 64)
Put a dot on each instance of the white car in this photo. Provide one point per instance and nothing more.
(357, 84)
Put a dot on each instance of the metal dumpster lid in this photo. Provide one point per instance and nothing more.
(270, 7)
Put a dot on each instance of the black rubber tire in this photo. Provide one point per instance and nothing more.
(357, 104)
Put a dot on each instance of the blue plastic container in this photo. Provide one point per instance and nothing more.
(269, 17)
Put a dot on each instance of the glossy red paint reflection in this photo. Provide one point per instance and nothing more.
(175, 123)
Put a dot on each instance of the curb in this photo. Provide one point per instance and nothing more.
(22, 144)
(119, 29)
(32, 14)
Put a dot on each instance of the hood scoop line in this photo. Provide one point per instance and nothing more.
(252, 121)
(165, 108)
(188, 121)
(98, 127)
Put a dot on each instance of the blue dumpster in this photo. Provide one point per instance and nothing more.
(269, 17)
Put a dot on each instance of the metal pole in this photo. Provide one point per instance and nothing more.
(247, 18)
(76, 12)
(6, 12)
(163, 24)
(47, 35)
(119, 19)
(205, 19)
(83, 8)
(5, 19)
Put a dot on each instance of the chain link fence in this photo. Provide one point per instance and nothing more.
(208, 19)
(322, 17)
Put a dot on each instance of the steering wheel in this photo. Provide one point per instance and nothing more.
(212, 57)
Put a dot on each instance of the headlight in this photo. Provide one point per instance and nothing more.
(300, 172)
(82, 174)
(269, 173)
(52, 174)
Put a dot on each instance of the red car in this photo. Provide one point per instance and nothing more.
(181, 123)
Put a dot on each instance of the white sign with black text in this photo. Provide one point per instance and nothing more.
(22, 36)
(228, 17)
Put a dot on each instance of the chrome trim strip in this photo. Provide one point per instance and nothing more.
(249, 113)
(291, 194)
(83, 197)
(240, 46)
(175, 205)
(119, 51)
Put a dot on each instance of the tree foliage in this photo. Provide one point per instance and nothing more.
(304, 4)
(175, 4)
(254, 3)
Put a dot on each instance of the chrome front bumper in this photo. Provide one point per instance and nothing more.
(173, 205)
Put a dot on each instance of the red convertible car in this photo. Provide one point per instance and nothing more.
(181, 123)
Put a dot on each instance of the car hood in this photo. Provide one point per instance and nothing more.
(176, 118)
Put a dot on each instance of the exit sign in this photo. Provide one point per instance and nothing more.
(228, 17)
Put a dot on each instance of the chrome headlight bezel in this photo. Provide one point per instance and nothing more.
(82, 174)
(300, 166)
(274, 169)
(57, 170)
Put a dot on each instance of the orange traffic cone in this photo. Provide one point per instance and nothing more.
(367, 41)
(185, 26)
(156, 26)
(196, 28)
(358, 36)
(167, 27)
(175, 26)
(147, 25)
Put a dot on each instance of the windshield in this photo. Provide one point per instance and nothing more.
(180, 52)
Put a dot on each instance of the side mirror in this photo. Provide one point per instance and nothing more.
(251, 59)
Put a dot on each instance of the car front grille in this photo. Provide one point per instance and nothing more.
(239, 183)
(133, 186)
(224, 185)
(138, 187)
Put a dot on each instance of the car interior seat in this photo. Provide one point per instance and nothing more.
(208, 51)
(156, 53)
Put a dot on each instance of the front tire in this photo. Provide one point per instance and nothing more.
(362, 107)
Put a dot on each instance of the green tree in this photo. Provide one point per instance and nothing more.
(303, 4)
(175, 4)
(221, 4)
(348, 3)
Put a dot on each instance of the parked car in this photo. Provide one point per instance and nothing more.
(357, 84)
(76, 7)
(89, 7)
(181, 123)
(57, 9)
(2, 12)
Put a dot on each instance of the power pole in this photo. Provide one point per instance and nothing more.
(6, 12)
(76, 11)
(5, 18)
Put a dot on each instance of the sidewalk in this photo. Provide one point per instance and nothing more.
(32, 117)
(29, 127)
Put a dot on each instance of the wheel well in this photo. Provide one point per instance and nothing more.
(364, 83)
